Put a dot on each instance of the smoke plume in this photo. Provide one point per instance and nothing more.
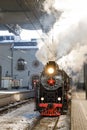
(66, 42)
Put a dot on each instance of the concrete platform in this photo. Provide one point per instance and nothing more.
(78, 111)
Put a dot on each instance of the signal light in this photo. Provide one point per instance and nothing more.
(51, 82)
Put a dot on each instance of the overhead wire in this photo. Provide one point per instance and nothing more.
(35, 14)
(21, 5)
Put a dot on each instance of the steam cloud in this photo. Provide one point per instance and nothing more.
(66, 42)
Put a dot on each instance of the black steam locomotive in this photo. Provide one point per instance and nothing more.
(51, 90)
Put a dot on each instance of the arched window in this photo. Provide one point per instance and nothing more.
(21, 64)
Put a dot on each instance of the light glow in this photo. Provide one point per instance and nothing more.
(59, 98)
(42, 98)
(50, 70)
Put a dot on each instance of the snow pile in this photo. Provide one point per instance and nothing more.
(19, 119)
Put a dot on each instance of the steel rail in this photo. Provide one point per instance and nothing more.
(45, 123)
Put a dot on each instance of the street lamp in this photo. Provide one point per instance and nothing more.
(12, 49)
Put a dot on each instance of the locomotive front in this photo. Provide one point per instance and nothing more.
(50, 90)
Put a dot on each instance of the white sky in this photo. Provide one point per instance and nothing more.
(27, 35)
(3, 33)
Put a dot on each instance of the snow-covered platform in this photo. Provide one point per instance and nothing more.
(79, 111)
(12, 96)
(19, 119)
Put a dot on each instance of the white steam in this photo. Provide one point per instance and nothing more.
(66, 42)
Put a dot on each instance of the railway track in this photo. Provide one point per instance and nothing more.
(12, 99)
(10, 107)
(46, 123)
(53, 123)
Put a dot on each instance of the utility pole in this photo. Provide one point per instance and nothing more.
(0, 75)
(85, 78)
(12, 48)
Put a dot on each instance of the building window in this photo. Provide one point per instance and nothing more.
(21, 64)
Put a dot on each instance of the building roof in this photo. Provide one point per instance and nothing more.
(17, 44)
(25, 45)
(30, 43)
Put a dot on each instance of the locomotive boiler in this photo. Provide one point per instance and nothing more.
(51, 90)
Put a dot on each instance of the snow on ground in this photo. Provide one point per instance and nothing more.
(19, 119)
(64, 122)
(25, 116)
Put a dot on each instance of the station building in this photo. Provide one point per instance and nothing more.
(19, 66)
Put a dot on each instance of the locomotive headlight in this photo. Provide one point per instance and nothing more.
(59, 98)
(50, 70)
(42, 98)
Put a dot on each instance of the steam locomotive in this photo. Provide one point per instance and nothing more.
(51, 90)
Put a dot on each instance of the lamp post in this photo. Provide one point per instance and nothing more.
(85, 78)
(12, 48)
(0, 75)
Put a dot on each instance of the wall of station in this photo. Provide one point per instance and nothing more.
(8, 61)
(5, 58)
(9, 56)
